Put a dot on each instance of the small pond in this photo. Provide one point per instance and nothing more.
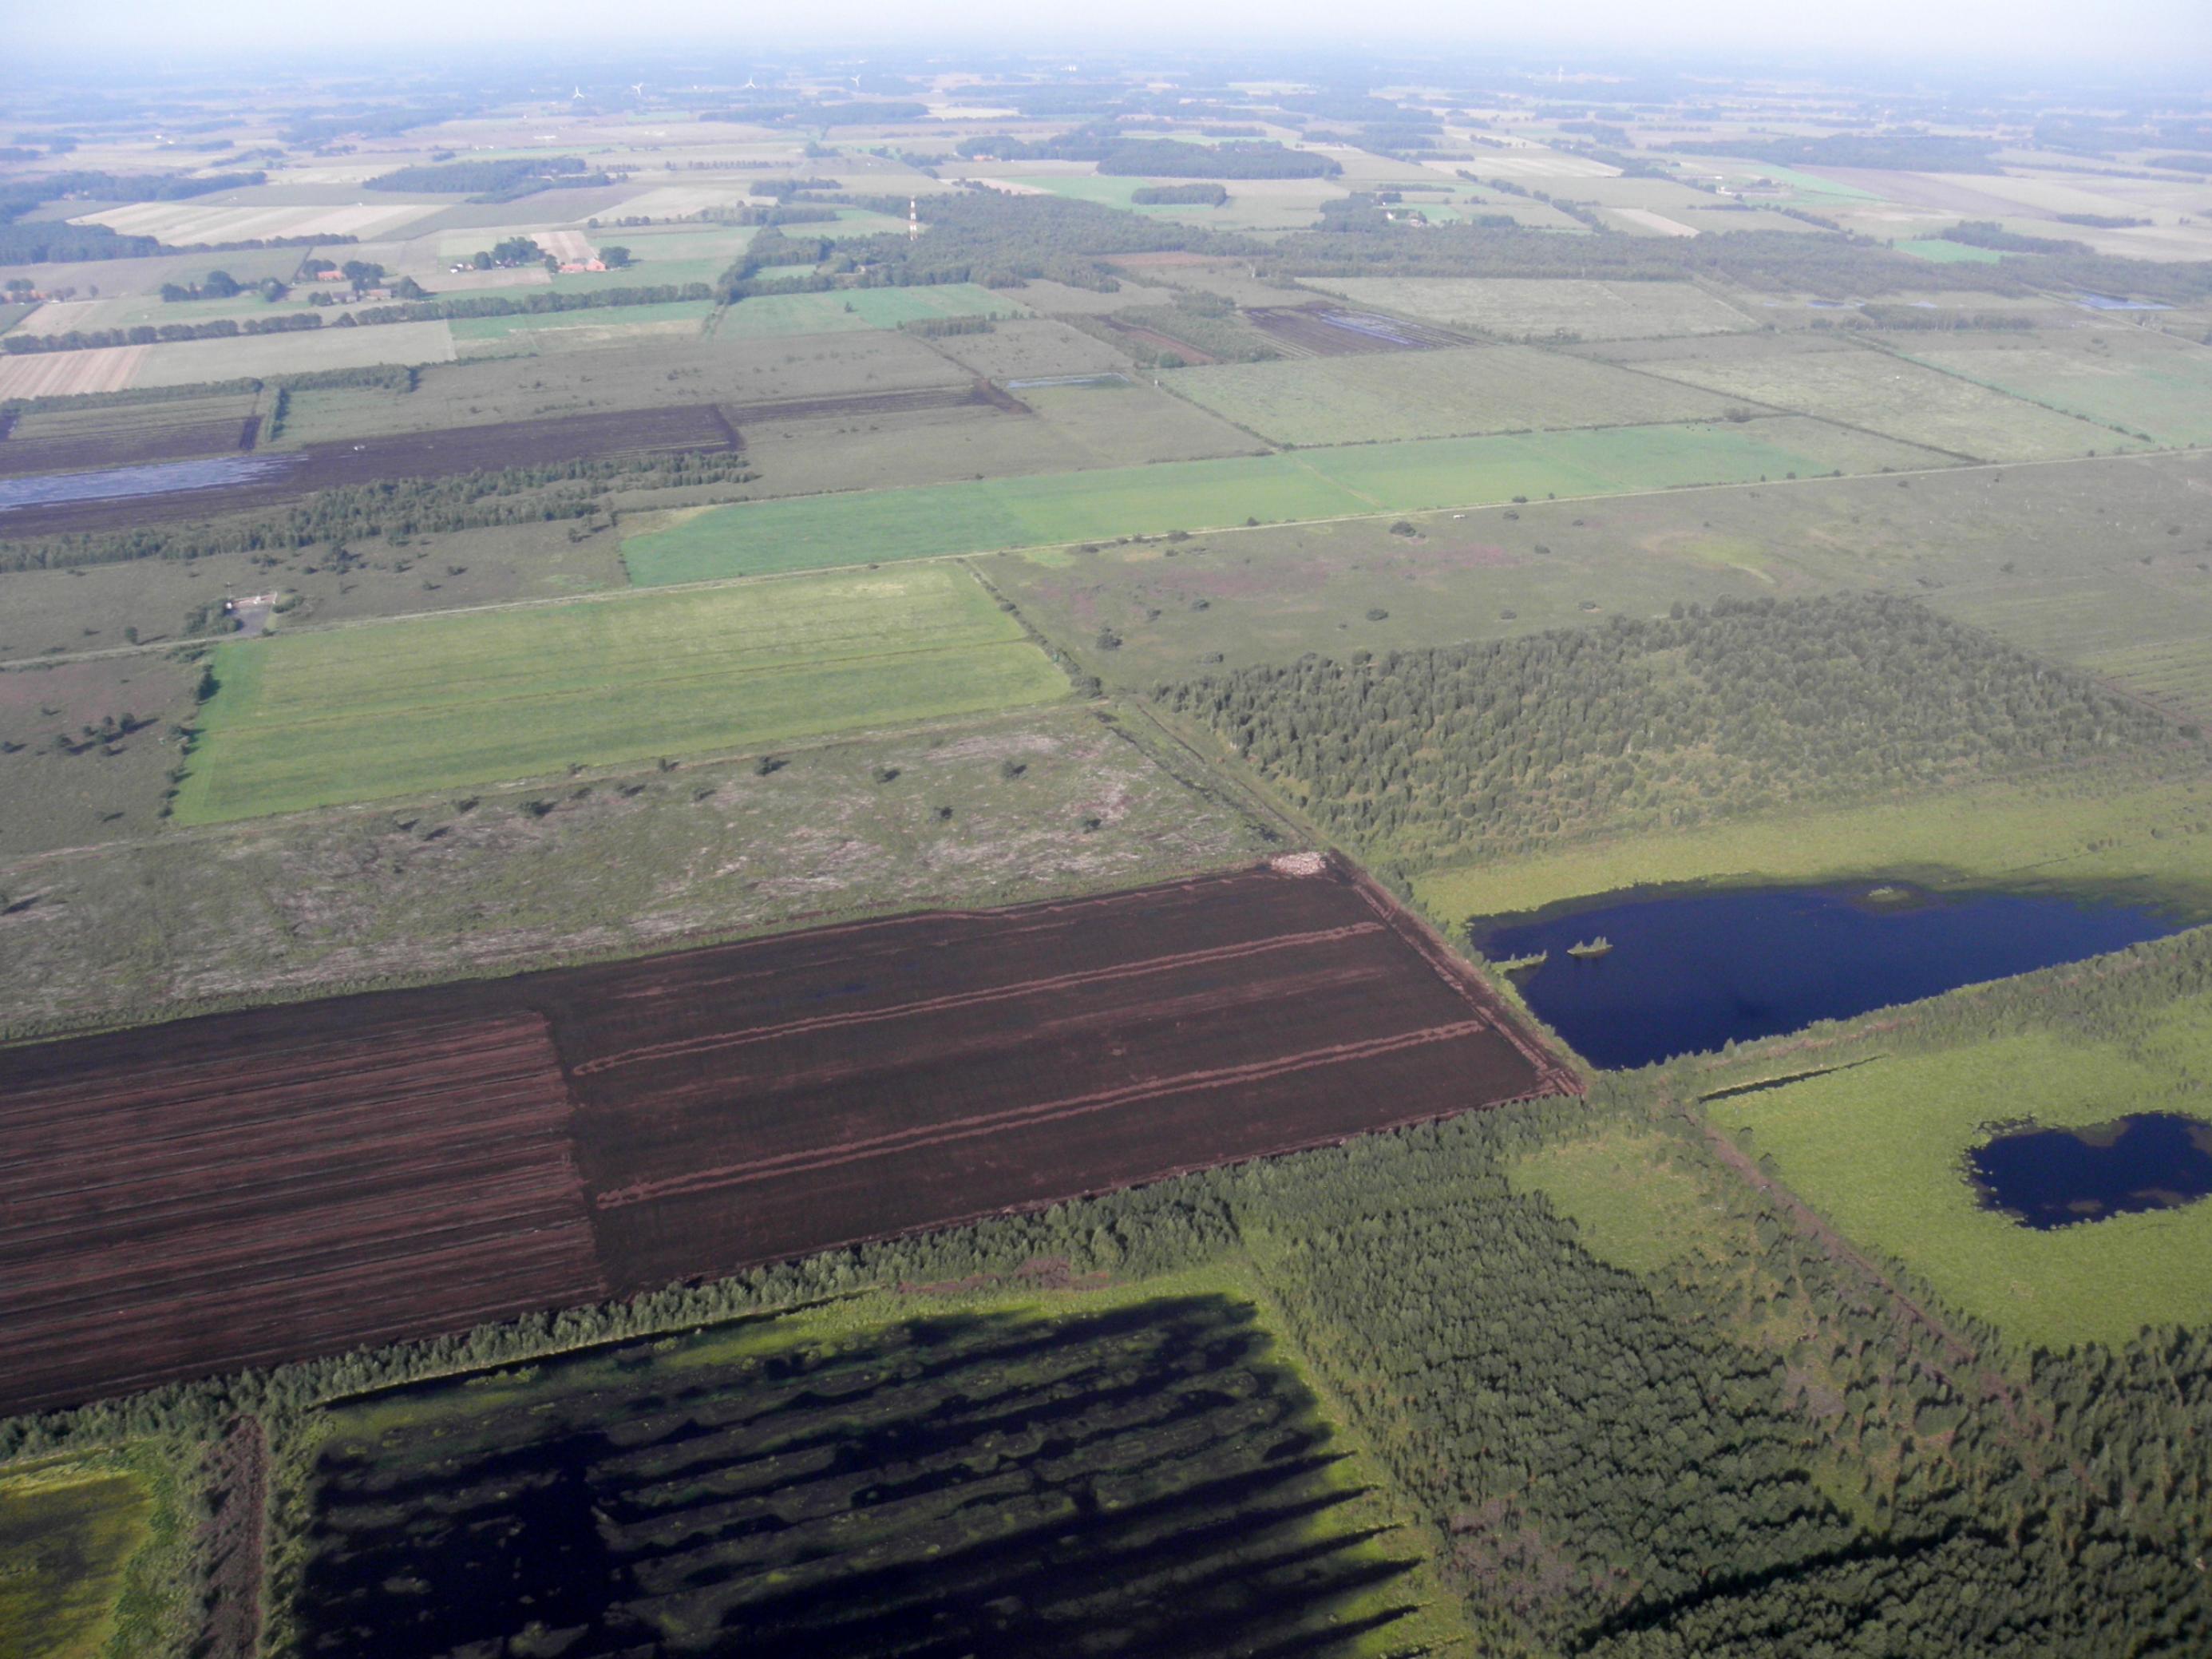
(2046, 1178)
(1685, 972)
(123, 483)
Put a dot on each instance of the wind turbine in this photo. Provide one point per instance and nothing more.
(576, 94)
(638, 87)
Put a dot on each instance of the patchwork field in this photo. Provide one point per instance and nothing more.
(765, 537)
(1525, 309)
(404, 709)
(1159, 1030)
(1901, 398)
(2129, 378)
(1187, 1497)
(1434, 394)
(1878, 1149)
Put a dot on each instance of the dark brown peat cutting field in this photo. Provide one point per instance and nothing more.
(246, 1187)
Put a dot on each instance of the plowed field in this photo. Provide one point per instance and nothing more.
(242, 1188)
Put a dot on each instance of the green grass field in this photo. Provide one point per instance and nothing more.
(1877, 1149)
(410, 707)
(1385, 396)
(68, 1534)
(882, 526)
(774, 315)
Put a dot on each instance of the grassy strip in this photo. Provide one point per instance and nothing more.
(760, 537)
(2147, 836)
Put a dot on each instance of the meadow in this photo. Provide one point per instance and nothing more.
(1878, 1150)
(1386, 396)
(762, 537)
(362, 714)
(2126, 377)
(1897, 397)
(775, 316)
(469, 331)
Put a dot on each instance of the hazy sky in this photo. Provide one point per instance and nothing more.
(2163, 34)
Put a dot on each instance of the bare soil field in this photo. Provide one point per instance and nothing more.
(1322, 330)
(765, 1100)
(126, 437)
(243, 1188)
(193, 1198)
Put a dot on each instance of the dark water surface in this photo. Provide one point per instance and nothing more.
(1689, 971)
(2048, 1178)
(126, 482)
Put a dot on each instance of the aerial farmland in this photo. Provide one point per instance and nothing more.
(1187, 852)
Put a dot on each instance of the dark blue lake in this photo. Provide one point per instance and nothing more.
(1688, 971)
(2047, 1178)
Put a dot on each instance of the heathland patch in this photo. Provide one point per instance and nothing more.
(760, 538)
(407, 707)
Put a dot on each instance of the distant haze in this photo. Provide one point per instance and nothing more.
(2163, 35)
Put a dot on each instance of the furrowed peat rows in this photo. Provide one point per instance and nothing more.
(243, 1188)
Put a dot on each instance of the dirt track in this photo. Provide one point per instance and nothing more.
(244, 1188)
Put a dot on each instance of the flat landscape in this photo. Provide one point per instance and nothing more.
(1337, 843)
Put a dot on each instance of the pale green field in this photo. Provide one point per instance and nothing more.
(773, 315)
(1384, 396)
(1940, 251)
(2099, 828)
(2133, 378)
(403, 708)
(1878, 1149)
(1899, 397)
(881, 526)
(188, 363)
(1524, 306)
(469, 331)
